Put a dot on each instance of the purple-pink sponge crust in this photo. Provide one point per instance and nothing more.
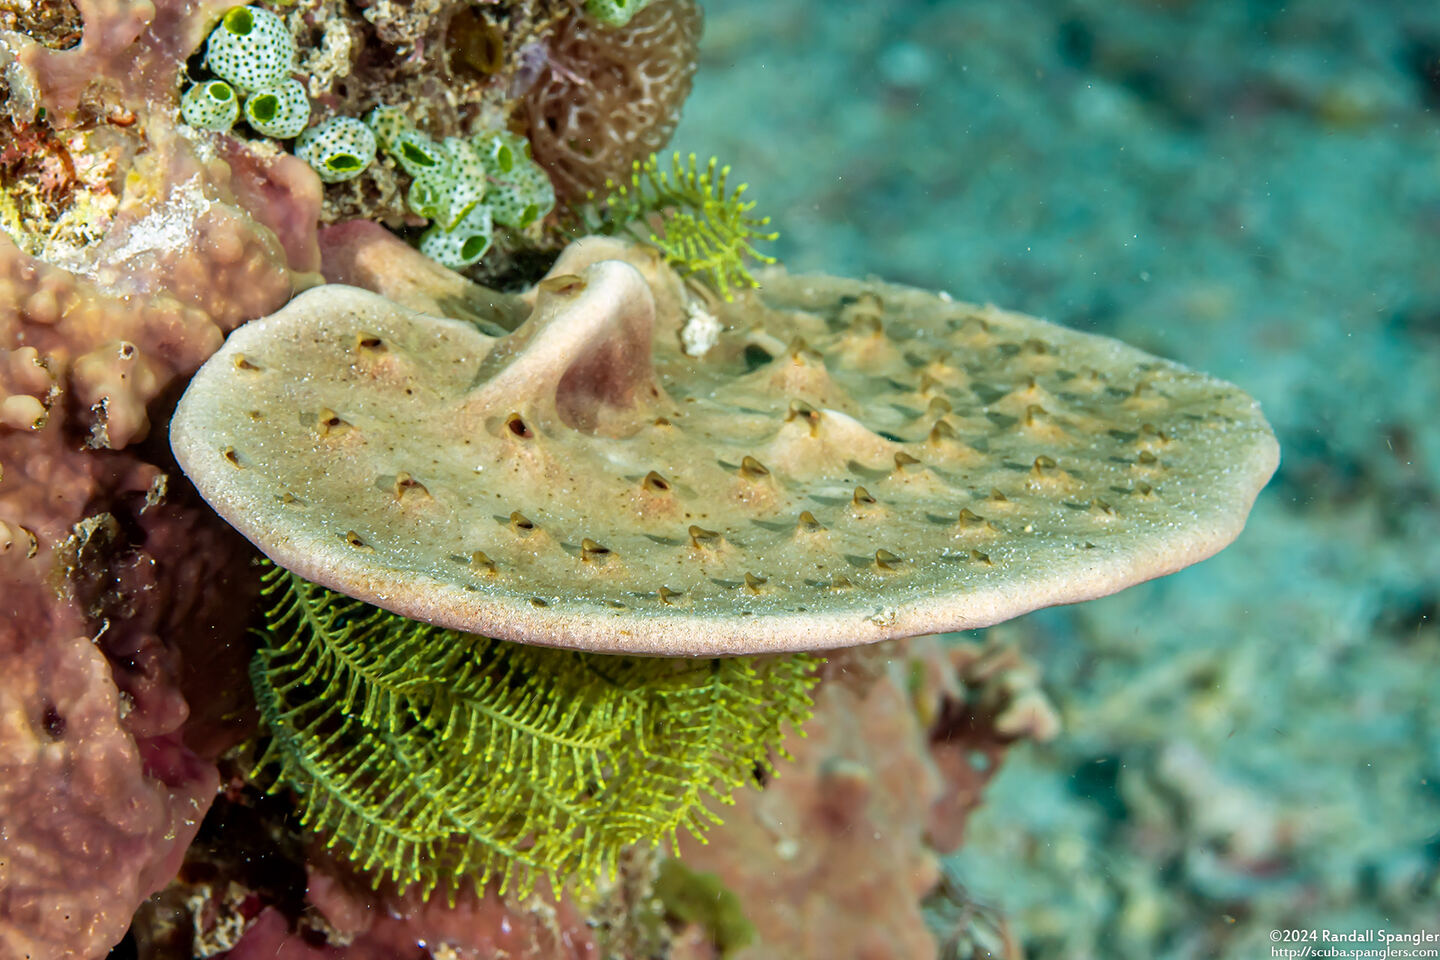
(121, 654)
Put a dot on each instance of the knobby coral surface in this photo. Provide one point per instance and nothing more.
(611, 96)
(115, 580)
(91, 828)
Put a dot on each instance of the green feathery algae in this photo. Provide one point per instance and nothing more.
(704, 232)
(431, 757)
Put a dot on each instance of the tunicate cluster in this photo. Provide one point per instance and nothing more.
(465, 186)
(338, 149)
(252, 54)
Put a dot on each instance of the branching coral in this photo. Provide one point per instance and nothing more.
(611, 95)
(434, 757)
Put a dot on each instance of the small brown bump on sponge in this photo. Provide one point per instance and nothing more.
(808, 524)
(329, 422)
(752, 469)
(407, 485)
(887, 561)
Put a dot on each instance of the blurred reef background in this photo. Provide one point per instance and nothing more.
(1251, 188)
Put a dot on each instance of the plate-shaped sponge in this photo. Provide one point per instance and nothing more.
(849, 461)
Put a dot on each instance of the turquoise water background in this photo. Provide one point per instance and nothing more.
(1250, 188)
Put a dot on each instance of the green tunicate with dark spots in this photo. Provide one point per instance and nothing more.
(462, 245)
(338, 149)
(520, 192)
(616, 13)
(387, 123)
(281, 111)
(251, 48)
(210, 106)
(417, 154)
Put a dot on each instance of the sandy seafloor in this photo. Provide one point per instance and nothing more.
(1253, 189)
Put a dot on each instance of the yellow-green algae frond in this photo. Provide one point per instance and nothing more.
(433, 758)
(705, 229)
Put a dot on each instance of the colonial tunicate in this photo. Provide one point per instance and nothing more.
(520, 191)
(616, 13)
(210, 106)
(462, 245)
(338, 149)
(281, 111)
(252, 48)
